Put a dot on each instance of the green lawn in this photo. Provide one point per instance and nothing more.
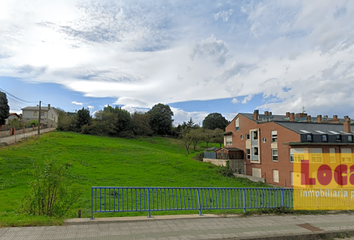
(101, 161)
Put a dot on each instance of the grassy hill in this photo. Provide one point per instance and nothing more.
(101, 161)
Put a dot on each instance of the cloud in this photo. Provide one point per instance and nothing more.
(145, 52)
(90, 107)
(235, 101)
(211, 48)
(247, 99)
(77, 103)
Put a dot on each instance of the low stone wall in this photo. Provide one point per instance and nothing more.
(253, 179)
(217, 162)
(6, 133)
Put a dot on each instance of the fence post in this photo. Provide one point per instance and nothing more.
(244, 200)
(149, 203)
(199, 204)
(282, 197)
(91, 203)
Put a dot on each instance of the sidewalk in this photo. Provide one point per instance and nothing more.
(20, 137)
(185, 227)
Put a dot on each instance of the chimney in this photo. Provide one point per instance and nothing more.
(48, 106)
(255, 115)
(309, 118)
(266, 113)
(287, 114)
(346, 124)
(270, 113)
(335, 117)
(325, 116)
(292, 117)
(319, 118)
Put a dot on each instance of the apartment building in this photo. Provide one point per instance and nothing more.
(269, 141)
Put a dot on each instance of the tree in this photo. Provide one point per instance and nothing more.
(197, 136)
(4, 109)
(161, 119)
(186, 138)
(83, 118)
(140, 124)
(218, 136)
(123, 121)
(215, 120)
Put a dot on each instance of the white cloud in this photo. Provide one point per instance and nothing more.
(181, 116)
(235, 101)
(90, 107)
(147, 52)
(246, 99)
(77, 103)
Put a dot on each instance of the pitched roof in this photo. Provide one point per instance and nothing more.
(36, 108)
(314, 128)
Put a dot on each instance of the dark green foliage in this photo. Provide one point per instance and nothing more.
(33, 123)
(123, 123)
(50, 191)
(83, 118)
(215, 120)
(225, 171)
(140, 124)
(161, 119)
(4, 108)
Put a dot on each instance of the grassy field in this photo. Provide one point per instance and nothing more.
(101, 161)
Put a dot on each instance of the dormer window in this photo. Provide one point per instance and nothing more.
(324, 138)
(350, 138)
(338, 138)
(309, 137)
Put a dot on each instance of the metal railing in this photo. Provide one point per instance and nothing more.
(150, 199)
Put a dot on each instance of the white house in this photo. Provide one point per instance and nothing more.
(49, 115)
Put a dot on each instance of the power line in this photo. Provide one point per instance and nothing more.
(14, 98)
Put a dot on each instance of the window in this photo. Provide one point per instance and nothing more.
(338, 138)
(264, 140)
(42, 114)
(237, 124)
(254, 135)
(247, 136)
(275, 155)
(324, 138)
(248, 153)
(274, 136)
(275, 176)
(241, 136)
(228, 140)
(332, 155)
(350, 138)
(255, 151)
(315, 155)
(309, 137)
(292, 178)
(346, 155)
(297, 154)
(35, 113)
(256, 172)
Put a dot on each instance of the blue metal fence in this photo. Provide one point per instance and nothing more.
(150, 199)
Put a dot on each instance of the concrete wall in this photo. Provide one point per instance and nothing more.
(217, 162)
(253, 179)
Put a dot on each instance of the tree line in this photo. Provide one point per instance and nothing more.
(117, 122)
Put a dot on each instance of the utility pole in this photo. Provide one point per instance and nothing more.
(39, 120)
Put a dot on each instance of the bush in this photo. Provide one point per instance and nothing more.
(33, 122)
(199, 156)
(225, 171)
(50, 192)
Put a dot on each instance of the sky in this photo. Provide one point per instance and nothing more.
(197, 56)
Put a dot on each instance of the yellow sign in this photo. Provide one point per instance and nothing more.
(323, 181)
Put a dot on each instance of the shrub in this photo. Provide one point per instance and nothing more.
(50, 192)
(33, 122)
